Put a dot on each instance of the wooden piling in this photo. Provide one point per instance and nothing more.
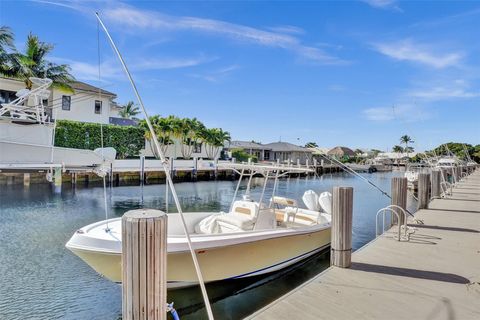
(423, 190)
(73, 178)
(342, 213)
(399, 197)
(436, 184)
(57, 180)
(26, 179)
(144, 264)
(142, 170)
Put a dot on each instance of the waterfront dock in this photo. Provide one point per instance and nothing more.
(435, 275)
(133, 171)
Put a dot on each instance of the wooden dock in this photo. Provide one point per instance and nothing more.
(435, 275)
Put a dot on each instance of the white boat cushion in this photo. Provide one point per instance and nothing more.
(242, 218)
(245, 207)
(238, 220)
(208, 225)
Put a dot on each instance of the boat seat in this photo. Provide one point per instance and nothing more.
(242, 218)
(235, 221)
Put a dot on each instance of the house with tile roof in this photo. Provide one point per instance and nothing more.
(86, 104)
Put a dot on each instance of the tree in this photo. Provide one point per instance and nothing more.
(476, 153)
(311, 145)
(190, 132)
(33, 63)
(6, 44)
(397, 149)
(129, 110)
(457, 148)
(164, 129)
(375, 152)
(405, 139)
(214, 138)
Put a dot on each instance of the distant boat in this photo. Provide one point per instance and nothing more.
(27, 136)
(252, 238)
(447, 162)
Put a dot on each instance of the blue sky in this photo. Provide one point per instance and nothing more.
(359, 74)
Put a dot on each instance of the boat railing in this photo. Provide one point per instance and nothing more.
(18, 109)
(446, 188)
(403, 233)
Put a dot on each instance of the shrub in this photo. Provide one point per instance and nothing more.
(242, 156)
(127, 140)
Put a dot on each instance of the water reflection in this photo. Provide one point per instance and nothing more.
(39, 278)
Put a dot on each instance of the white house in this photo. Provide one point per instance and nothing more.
(253, 148)
(87, 104)
(276, 151)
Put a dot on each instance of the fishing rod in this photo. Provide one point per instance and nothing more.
(166, 169)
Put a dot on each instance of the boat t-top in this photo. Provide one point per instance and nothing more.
(27, 135)
(253, 237)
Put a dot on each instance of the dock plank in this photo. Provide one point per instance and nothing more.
(436, 275)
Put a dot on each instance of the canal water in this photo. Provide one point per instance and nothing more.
(40, 279)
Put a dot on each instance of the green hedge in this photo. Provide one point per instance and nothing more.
(127, 140)
(241, 155)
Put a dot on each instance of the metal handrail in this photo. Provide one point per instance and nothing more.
(391, 208)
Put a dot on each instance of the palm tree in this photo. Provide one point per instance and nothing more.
(405, 139)
(397, 149)
(6, 43)
(214, 139)
(190, 134)
(33, 63)
(129, 110)
(164, 131)
(311, 145)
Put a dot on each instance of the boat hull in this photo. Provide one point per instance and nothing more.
(228, 262)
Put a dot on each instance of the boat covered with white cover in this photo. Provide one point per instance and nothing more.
(250, 239)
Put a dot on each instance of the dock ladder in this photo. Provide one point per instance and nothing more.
(403, 230)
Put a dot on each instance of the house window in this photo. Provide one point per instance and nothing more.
(66, 102)
(197, 148)
(98, 107)
(266, 155)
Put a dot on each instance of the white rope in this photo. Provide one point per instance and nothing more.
(167, 172)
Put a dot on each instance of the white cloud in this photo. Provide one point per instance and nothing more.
(217, 75)
(383, 4)
(336, 87)
(457, 89)
(170, 63)
(407, 50)
(404, 112)
(127, 16)
(379, 114)
(287, 29)
(111, 69)
(89, 71)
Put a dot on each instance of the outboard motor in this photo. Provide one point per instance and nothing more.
(325, 201)
(310, 199)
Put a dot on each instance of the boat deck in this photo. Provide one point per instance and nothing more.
(436, 275)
